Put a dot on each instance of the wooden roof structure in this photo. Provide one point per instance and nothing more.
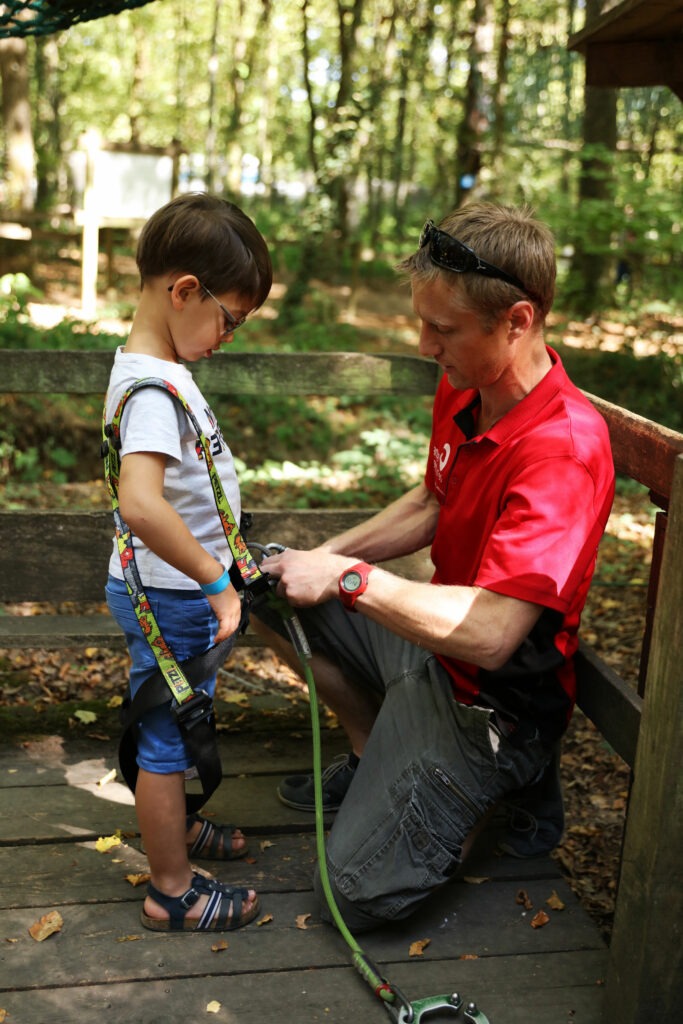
(633, 43)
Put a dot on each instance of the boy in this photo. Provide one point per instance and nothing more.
(203, 268)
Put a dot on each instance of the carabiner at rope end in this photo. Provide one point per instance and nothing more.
(419, 1009)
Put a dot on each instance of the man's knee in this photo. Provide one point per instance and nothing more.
(356, 918)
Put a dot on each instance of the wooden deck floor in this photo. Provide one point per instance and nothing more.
(103, 966)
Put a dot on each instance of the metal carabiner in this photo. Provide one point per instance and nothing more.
(419, 1009)
(413, 1013)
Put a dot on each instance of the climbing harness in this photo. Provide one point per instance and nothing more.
(193, 706)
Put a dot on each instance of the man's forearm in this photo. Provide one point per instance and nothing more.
(405, 526)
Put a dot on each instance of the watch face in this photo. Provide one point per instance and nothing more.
(352, 581)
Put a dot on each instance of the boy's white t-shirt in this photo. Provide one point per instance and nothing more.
(153, 421)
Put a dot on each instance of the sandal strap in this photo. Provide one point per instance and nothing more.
(176, 906)
(210, 835)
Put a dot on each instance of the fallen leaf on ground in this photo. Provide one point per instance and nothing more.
(470, 956)
(106, 843)
(109, 777)
(301, 920)
(554, 901)
(418, 947)
(218, 947)
(475, 880)
(87, 717)
(46, 926)
(213, 1007)
(3, 1015)
(539, 920)
(138, 879)
(264, 920)
(266, 844)
(523, 899)
(129, 938)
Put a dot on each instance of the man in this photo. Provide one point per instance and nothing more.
(454, 693)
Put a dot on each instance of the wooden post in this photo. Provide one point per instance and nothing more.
(645, 976)
(91, 230)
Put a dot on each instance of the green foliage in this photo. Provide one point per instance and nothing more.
(651, 386)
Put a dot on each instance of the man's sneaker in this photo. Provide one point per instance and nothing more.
(536, 815)
(298, 791)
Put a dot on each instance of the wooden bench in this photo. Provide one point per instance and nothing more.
(61, 557)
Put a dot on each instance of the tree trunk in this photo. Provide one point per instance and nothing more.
(475, 117)
(211, 127)
(48, 123)
(498, 103)
(16, 117)
(592, 257)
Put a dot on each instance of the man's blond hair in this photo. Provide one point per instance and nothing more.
(508, 237)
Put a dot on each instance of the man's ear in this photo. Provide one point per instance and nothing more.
(521, 317)
(182, 288)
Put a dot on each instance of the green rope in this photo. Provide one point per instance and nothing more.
(41, 17)
(360, 960)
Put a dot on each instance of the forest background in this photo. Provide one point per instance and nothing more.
(341, 127)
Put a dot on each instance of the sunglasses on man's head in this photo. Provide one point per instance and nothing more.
(447, 252)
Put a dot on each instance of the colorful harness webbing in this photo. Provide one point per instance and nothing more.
(192, 706)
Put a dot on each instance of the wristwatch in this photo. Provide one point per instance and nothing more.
(352, 583)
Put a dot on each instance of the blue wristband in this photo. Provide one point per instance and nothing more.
(218, 586)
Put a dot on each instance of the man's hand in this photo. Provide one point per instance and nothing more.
(307, 577)
(228, 610)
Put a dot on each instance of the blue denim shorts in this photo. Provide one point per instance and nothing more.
(188, 625)
(430, 771)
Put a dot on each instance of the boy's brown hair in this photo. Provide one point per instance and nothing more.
(209, 237)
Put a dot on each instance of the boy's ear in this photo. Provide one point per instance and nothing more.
(182, 288)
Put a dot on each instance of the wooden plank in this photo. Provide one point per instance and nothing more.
(84, 810)
(631, 20)
(231, 373)
(461, 920)
(646, 958)
(644, 450)
(610, 703)
(63, 556)
(635, 64)
(551, 989)
(74, 872)
(256, 748)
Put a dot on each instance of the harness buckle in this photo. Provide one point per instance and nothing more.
(198, 708)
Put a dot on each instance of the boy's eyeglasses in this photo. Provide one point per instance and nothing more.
(231, 322)
(451, 254)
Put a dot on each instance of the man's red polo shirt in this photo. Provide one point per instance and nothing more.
(523, 508)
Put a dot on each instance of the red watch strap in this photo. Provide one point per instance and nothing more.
(348, 598)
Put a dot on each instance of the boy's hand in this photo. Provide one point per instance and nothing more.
(228, 610)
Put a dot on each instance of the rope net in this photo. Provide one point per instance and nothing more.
(41, 17)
